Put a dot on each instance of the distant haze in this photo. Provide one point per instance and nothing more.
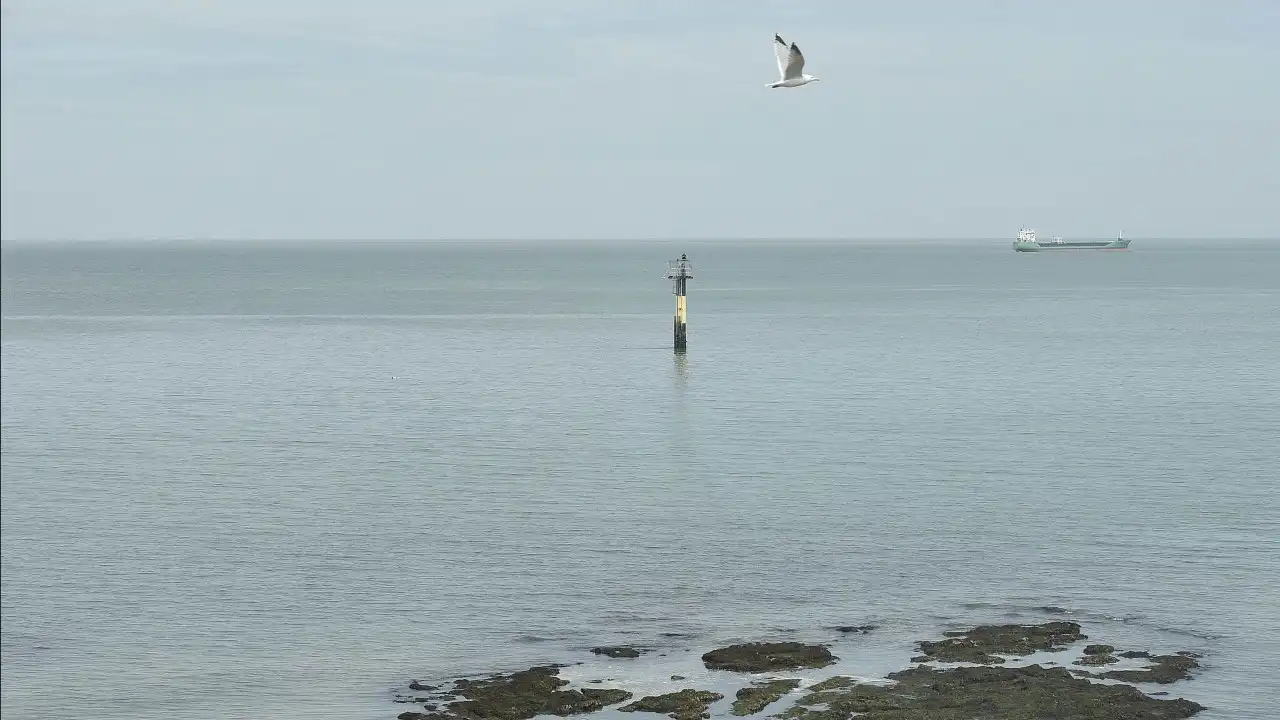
(638, 118)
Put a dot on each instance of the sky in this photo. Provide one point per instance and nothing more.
(634, 119)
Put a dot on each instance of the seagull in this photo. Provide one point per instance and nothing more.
(790, 65)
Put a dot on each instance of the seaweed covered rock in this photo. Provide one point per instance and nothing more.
(985, 643)
(1097, 654)
(840, 704)
(682, 705)
(987, 691)
(978, 693)
(420, 687)
(1165, 669)
(525, 694)
(1095, 660)
(833, 683)
(767, 657)
(757, 696)
(618, 651)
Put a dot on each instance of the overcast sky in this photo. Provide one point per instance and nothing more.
(605, 119)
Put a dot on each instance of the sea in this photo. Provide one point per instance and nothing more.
(283, 479)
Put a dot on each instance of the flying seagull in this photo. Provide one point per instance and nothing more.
(790, 65)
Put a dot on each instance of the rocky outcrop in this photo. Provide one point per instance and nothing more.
(975, 693)
(682, 705)
(618, 651)
(757, 696)
(1096, 660)
(1165, 669)
(989, 690)
(525, 694)
(985, 643)
(768, 657)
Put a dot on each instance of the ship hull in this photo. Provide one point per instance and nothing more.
(1083, 245)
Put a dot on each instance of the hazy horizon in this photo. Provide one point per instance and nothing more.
(1144, 242)
(392, 120)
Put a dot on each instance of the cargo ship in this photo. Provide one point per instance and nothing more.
(1027, 242)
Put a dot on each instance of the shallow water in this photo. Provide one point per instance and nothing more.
(253, 481)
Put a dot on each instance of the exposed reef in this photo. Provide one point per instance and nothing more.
(991, 690)
(757, 696)
(618, 651)
(985, 643)
(980, 693)
(682, 705)
(768, 657)
(520, 696)
(1095, 660)
(1097, 655)
(1164, 670)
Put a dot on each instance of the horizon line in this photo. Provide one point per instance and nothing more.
(632, 239)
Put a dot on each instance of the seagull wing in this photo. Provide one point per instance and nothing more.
(781, 52)
(795, 64)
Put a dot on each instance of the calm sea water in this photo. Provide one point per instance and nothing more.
(281, 480)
